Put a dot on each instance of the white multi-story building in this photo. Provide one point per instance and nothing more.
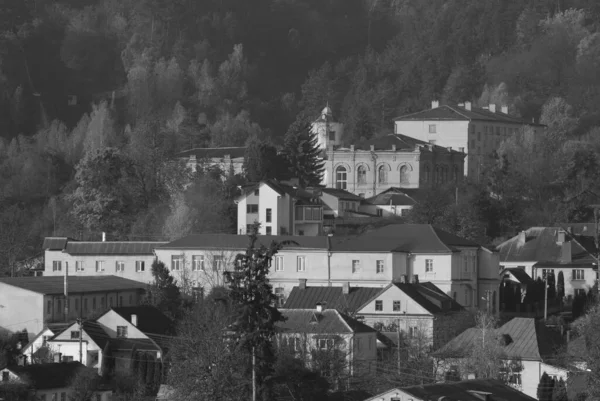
(466, 128)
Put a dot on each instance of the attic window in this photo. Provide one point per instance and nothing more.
(506, 339)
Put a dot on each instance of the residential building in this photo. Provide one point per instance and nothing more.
(421, 311)
(127, 259)
(513, 287)
(540, 251)
(338, 202)
(328, 131)
(230, 160)
(468, 390)
(472, 130)
(394, 160)
(391, 202)
(50, 381)
(529, 347)
(334, 343)
(280, 208)
(36, 350)
(46, 303)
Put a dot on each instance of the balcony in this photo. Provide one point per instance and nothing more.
(308, 214)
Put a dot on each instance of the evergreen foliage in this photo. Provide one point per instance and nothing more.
(164, 293)
(263, 162)
(545, 388)
(304, 156)
(560, 285)
(559, 392)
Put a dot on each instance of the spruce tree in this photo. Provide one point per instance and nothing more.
(164, 292)
(559, 392)
(262, 162)
(545, 387)
(304, 156)
(560, 286)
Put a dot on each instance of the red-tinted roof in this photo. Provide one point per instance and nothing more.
(50, 285)
(214, 153)
(329, 321)
(239, 242)
(330, 298)
(112, 248)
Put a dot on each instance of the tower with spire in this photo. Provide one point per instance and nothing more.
(328, 131)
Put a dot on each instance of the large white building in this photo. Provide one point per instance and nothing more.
(466, 128)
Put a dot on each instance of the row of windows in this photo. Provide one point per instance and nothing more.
(140, 266)
(440, 174)
(198, 262)
(311, 213)
(379, 266)
(300, 263)
(341, 175)
(576, 274)
(253, 209)
(97, 302)
(396, 305)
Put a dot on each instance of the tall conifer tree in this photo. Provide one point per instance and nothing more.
(304, 156)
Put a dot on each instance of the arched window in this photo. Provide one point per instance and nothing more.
(404, 175)
(426, 174)
(382, 174)
(361, 175)
(455, 173)
(438, 175)
(341, 177)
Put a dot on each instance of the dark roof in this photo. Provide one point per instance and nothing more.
(55, 243)
(583, 229)
(430, 297)
(329, 321)
(302, 195)
(96, 333)
(541, 246)
(468, 390)
(77, 284)
(403, 144)
(125, 344)
(342, 194)
(453, 113)
(392, 197)
(330, 298)
(149, 319)
(234, 241)
(520, 274)
(48, 375)
(211, 153)
(529, 340)
(113, 248)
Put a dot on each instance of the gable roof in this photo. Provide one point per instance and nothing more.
(214, 153)
(48, 375)
(394, 197)
(330, 298)
(50, 285)
(403, 143)
(329, 321)
(455, 113)
(302, 195)
(519, 274)
(341, 194)
(55, 243)
(94, 330)
(541, 246)
(112, 248)
(238, 242)
(430, 297)
(529, 340)
(149, 319)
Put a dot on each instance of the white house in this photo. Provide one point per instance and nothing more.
(466, 128)
(229, 159)
(391, 202)
(37, 349)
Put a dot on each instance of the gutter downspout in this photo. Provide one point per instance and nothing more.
(329, 259)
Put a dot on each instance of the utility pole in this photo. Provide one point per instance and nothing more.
(399, 358)
(546, 297)
(253, 374)
(80, 322)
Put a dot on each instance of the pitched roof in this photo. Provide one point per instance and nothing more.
(403, 143)
(528, 340)
(393, 197)
(214, 153)
(330, 298)
(96, 333)
(238, 242)
(140, 344)
(48, 375)
(341, 194)
(112, 248)
(468, 390)
(302, 195)
(55, 243)
(541, 246)
(329, 321)
(430, 297)
(149, 319)
(519, 274)
(77, 284)
(454, 113)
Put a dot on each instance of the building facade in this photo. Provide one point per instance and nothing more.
(230, 160)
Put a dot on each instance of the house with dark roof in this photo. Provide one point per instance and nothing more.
(127, 259)
(33, 303)
(333, 342)
(468, 390)
(51, 381)
(229, 159)
(475, 131)
(528, 346)
(543, 251)
(391, 202)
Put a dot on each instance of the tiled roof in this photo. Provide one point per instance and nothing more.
(453, 113)
(48, 375)
(403, 144)
(528, 340)
(330, 298)
(140, 344)
(55, 243)
(77, 284)
(393, 197)
(520, 274)
(149, 319)
(341, 194)
(238, 242)
(329, 321)
(214, 153)
(541, 246)
(113, 248)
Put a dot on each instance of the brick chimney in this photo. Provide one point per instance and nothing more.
(565, 252)
(560, 236)
(302, 283)
(435, 104)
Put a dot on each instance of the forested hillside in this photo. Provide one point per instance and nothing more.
(96, 95)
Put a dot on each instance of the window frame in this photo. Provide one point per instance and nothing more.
(341, 177)
(279, 267)
(252, 208)
(75, 334)
(361, 175)
(100, 266)
(56, 265)
(396, 305)
(268, 215)
(382, 174)
(575, 276)
(378, 305)
(355, 266)
(195, 260)
(79, 265)
(122, 332)
(301, 263)
(140, 266)
(176, 262)
(379, 266)
(218, 263)
(432, 128)
(120, 266)
(428, 265)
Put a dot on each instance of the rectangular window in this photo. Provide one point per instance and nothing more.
(218, 263)
(56, 266)
(413, 332)
(99, 266)
(102, 302)
(269, 215)
(432, 128)
(140, 266)
(428, 265)
(396, 306)
(355, 266)
(268, 230)
(301, 263)
(256, 192)
(198, 262)
(578, 274)
(122, 331)
(580, 292)
(379, 267)
(49, 308)
(85, 305)
(59, 306)
(251, 209)
(94, 303)
(79, 266)
(325, 343)
(379, 306)
(75, 335)
(278, 263)
(119, 266)
(176, 262)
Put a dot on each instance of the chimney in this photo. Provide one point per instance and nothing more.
(346, 288)
(560, 236)
(565, 252)
(404, 279)
(492, 108)
(449, 148)
(505, 109)
(58, 357)
(319, 307)
(134, 320)
(415, 279)
(302, 283)
(417, 148)
(522, 238)
(103, 236)
(393, 147)
(435, 104)
(372, 148)
(461, 105)
(351, 148)
(468, 106)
